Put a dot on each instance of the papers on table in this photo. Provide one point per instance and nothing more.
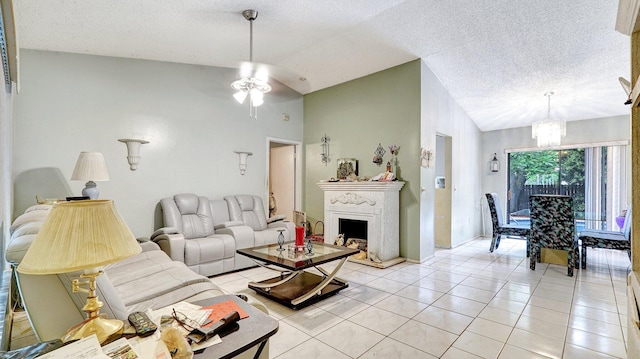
(136, 348)
(85, 348)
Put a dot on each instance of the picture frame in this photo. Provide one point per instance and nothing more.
(347, 167)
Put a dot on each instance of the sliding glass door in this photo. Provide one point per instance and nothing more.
(594, 176)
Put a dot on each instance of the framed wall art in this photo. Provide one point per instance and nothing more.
(347, 167)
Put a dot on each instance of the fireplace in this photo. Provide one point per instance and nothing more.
(366, 211)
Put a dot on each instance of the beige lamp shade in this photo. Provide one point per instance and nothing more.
(90, 166)
(79, 235)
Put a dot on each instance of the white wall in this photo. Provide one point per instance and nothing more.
(70, 103)
(442, 115)
(578, 133)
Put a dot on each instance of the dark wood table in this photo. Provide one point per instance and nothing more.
(254, 330)
(295, 287)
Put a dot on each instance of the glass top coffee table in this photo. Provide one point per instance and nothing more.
(295, 287)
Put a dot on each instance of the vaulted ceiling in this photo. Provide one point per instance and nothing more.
(497, 58)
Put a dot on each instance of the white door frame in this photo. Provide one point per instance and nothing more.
(298, 169)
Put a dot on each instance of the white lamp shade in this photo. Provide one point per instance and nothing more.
(90, 166)
(79, 235)
(257, 98)
(240, 96)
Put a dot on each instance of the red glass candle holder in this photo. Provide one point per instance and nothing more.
(299, 236)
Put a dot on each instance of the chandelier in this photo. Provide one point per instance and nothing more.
(548, 132)
(254, 86)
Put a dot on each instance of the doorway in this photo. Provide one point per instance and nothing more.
(283, 177)
(442, 220)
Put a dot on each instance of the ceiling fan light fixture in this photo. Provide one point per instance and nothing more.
(257, 97)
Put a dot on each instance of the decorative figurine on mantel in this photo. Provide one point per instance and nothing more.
(385, 176)
(394, 158)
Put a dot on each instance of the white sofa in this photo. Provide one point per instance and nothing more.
(149, 280)
(205, 234)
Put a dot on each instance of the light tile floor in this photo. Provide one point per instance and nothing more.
(463, 303)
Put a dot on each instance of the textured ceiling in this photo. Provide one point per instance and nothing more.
(497, 58)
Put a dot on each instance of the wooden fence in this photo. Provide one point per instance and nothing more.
(574, 190)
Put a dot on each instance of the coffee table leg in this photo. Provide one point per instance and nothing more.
(268, 286)
(328, 278)
(327, 273)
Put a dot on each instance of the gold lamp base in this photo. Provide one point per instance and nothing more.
(101, 327)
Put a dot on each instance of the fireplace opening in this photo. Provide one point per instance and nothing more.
(352, 228)
(353, 233)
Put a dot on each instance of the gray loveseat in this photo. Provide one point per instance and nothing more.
(205, 234)
(149, 280)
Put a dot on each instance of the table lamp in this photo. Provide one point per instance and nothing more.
(82, 235)
(90, 167)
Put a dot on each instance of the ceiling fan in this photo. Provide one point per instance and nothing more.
(254, 81)
(251, 84)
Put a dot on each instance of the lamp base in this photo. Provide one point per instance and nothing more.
(101, 327)
(91, 190)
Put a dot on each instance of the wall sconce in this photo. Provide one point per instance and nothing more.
(243, 160)
(494, 164)
(133, 151)
(325, 149)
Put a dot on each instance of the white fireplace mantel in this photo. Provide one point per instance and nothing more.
(377, 203)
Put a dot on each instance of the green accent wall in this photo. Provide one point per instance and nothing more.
(382, 108)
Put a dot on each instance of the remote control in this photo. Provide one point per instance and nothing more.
(144, 326)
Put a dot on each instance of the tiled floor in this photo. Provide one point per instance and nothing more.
(463, 303)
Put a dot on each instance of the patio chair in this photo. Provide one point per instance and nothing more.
(500, 228)
(553, 227)
(594, 238)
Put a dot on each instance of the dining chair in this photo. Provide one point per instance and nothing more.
(595, 238)
(553, 227)
(499, 227)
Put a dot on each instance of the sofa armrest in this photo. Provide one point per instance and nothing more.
(149, 246)
(228, 224)
(164, 230)
(171, 244)
(276, 218)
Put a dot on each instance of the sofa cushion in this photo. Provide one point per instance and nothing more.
(143, 289)
(212, 248)
(248, 209)
(35, 215)
(189, 213)
(144, 265)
